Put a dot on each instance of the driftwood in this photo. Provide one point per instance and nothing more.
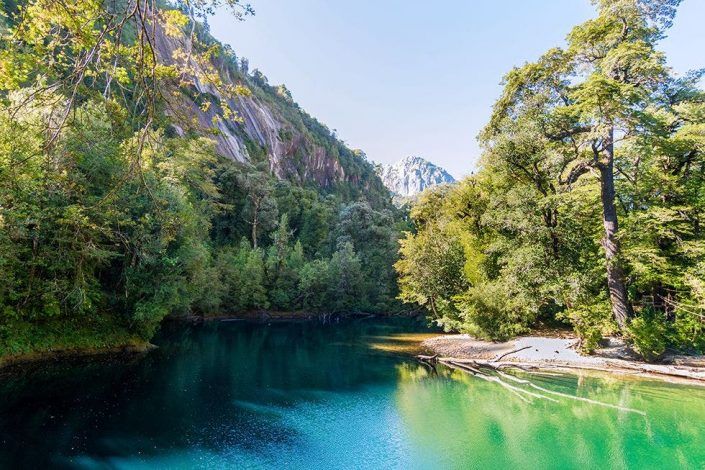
(429, 361)
(622, 368)
(423, 358)
(497, 359)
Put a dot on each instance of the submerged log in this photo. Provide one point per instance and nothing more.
(496, 375)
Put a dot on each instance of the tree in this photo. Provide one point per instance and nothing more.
(314, 279)
(243, 277)
(261, 208)
(591, 97)
(283, 263)
(281, 245)
(431, 262)
(345, 288)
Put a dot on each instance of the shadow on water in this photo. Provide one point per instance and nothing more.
(233, 394)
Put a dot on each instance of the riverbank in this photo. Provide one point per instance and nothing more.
(86, 342)
(264, 316)
(560, 352)
(133, 347)
(63, 338)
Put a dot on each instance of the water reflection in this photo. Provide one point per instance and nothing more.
(495, 427)
(236, 395)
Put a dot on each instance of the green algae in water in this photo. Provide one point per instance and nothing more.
(237, 395)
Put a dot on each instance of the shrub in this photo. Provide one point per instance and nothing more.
(591, 323)
(649, 334)
(488, 312)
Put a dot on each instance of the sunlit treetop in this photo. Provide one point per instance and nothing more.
(76, 48)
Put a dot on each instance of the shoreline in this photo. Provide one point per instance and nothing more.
(262, 316)
(7, 362)
(141, 347)
(551, 353)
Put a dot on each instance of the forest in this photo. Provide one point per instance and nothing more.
(117, 211)
(587, 205)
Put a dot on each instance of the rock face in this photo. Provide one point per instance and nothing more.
(269, 127)
(412, 175)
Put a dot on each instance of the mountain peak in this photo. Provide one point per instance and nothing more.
(411, 175)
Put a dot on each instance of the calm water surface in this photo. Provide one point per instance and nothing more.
(237, 395)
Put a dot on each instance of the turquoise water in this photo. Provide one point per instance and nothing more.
(237, 395)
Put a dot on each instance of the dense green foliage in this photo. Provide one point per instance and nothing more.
(116, 211)
(588, 204)
(109, 220)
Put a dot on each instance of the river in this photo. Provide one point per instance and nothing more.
(302, 396)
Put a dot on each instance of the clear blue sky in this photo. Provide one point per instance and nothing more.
(413, 77)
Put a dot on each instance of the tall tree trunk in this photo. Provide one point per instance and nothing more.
(255, 221)
(550, 218)
(621, 308)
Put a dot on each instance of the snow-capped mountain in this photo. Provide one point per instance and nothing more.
(412, 175)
